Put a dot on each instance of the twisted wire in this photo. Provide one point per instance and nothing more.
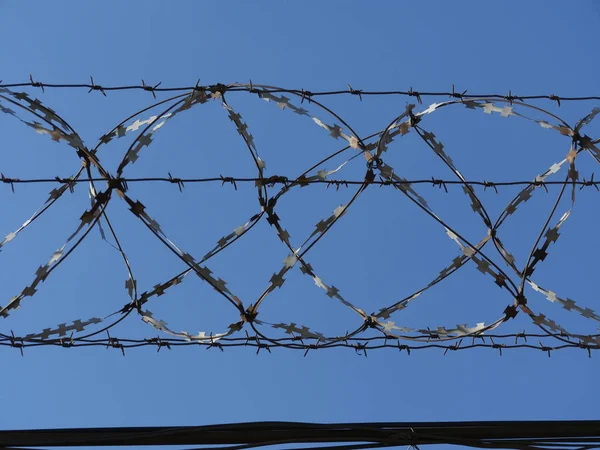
(305, 94)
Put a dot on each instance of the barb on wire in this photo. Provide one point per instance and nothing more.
(95, 87)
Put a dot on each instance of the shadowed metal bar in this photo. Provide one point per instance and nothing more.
(507, 434)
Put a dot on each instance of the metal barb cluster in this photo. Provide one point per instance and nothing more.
(512, 279)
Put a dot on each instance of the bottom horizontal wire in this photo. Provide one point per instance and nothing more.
(360, 346)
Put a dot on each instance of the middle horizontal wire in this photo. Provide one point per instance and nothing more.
(277, 179)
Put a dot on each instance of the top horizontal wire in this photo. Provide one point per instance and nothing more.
(303, 92)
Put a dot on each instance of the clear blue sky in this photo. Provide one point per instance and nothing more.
(382, 250)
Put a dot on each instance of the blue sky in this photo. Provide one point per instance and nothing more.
(383, 249)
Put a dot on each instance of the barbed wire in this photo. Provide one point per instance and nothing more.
(305, 94)
(361, 346)
(284, 180)
(373, 148)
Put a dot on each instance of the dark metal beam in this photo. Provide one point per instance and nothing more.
(487, 434)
